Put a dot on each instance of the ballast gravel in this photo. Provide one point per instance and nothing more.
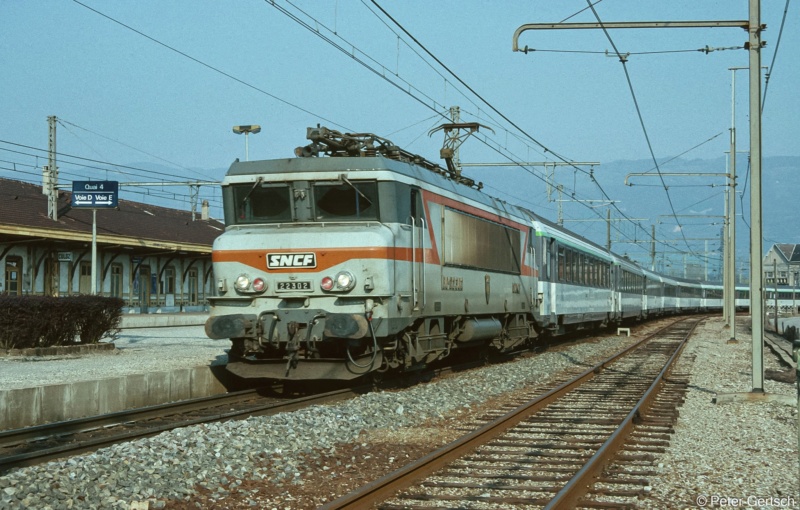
(718, 451)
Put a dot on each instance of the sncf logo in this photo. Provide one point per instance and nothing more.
(284, 260)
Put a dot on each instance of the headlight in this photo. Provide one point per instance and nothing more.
(342, 282)
(242, 283)
(345, 280)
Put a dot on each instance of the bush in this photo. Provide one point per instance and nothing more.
(101, 318)
(45, 321)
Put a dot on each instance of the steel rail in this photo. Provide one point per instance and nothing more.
(59, 430)
(117, 418)
(582, 481)
(406, 476)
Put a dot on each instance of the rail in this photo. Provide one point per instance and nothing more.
(386, 487)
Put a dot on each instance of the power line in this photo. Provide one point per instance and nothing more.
(65, 123)
(639, 114)
(65, 155)
(308, 27)
(208, 66)
(211, 197)
(774, 56)
(482, 99)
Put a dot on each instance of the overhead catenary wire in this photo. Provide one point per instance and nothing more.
(774, 56)
(313, 30)
(65, 161)
(435, 103)
(545, 148)
(639, 114)
(66, 123)
(208, 66)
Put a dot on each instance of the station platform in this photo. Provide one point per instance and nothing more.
(157, 320)
(156, 358)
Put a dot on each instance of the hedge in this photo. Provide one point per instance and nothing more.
(46, 321)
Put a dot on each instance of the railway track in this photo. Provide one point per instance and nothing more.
(589, 442)
(33, 445)
(781, 347)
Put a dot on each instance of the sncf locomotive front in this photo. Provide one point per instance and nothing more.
(306, 268)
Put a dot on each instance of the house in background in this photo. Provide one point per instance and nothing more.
(782, 277)
(782, 265)
(155, 258)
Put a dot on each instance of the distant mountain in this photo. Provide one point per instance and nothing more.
(645, 197)
(691, 195)
(696, 200)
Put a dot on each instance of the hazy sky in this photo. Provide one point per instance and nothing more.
(164, 82)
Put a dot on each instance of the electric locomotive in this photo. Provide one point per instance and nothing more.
(357, 257)
(366, 260)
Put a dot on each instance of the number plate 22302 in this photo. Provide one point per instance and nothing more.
(291, 286)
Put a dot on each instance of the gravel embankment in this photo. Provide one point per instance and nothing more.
(301, 459)
(741, 454)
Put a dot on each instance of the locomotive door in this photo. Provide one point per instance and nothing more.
(533, 284)
(419, 228)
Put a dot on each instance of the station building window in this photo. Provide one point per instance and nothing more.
(13, 278)
(116, 280)
(168, 283)
(192, 283)
(85, 280)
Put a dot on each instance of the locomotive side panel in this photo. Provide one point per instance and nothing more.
(486, 278)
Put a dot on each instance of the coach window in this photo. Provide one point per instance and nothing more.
(570, 266)
(576, 267)
(585, 269)
(561, 264)
(598, 266)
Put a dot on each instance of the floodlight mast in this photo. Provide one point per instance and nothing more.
(247, 129)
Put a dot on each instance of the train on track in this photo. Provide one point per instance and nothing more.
(357, 257)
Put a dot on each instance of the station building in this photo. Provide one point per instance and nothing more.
(155, 258)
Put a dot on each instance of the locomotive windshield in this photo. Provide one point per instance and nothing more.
(342, 200)
(257, 204)
(346, 201)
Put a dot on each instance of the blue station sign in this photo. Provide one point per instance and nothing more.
(95, 194)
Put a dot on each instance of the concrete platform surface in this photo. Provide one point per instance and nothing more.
(149, 366)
